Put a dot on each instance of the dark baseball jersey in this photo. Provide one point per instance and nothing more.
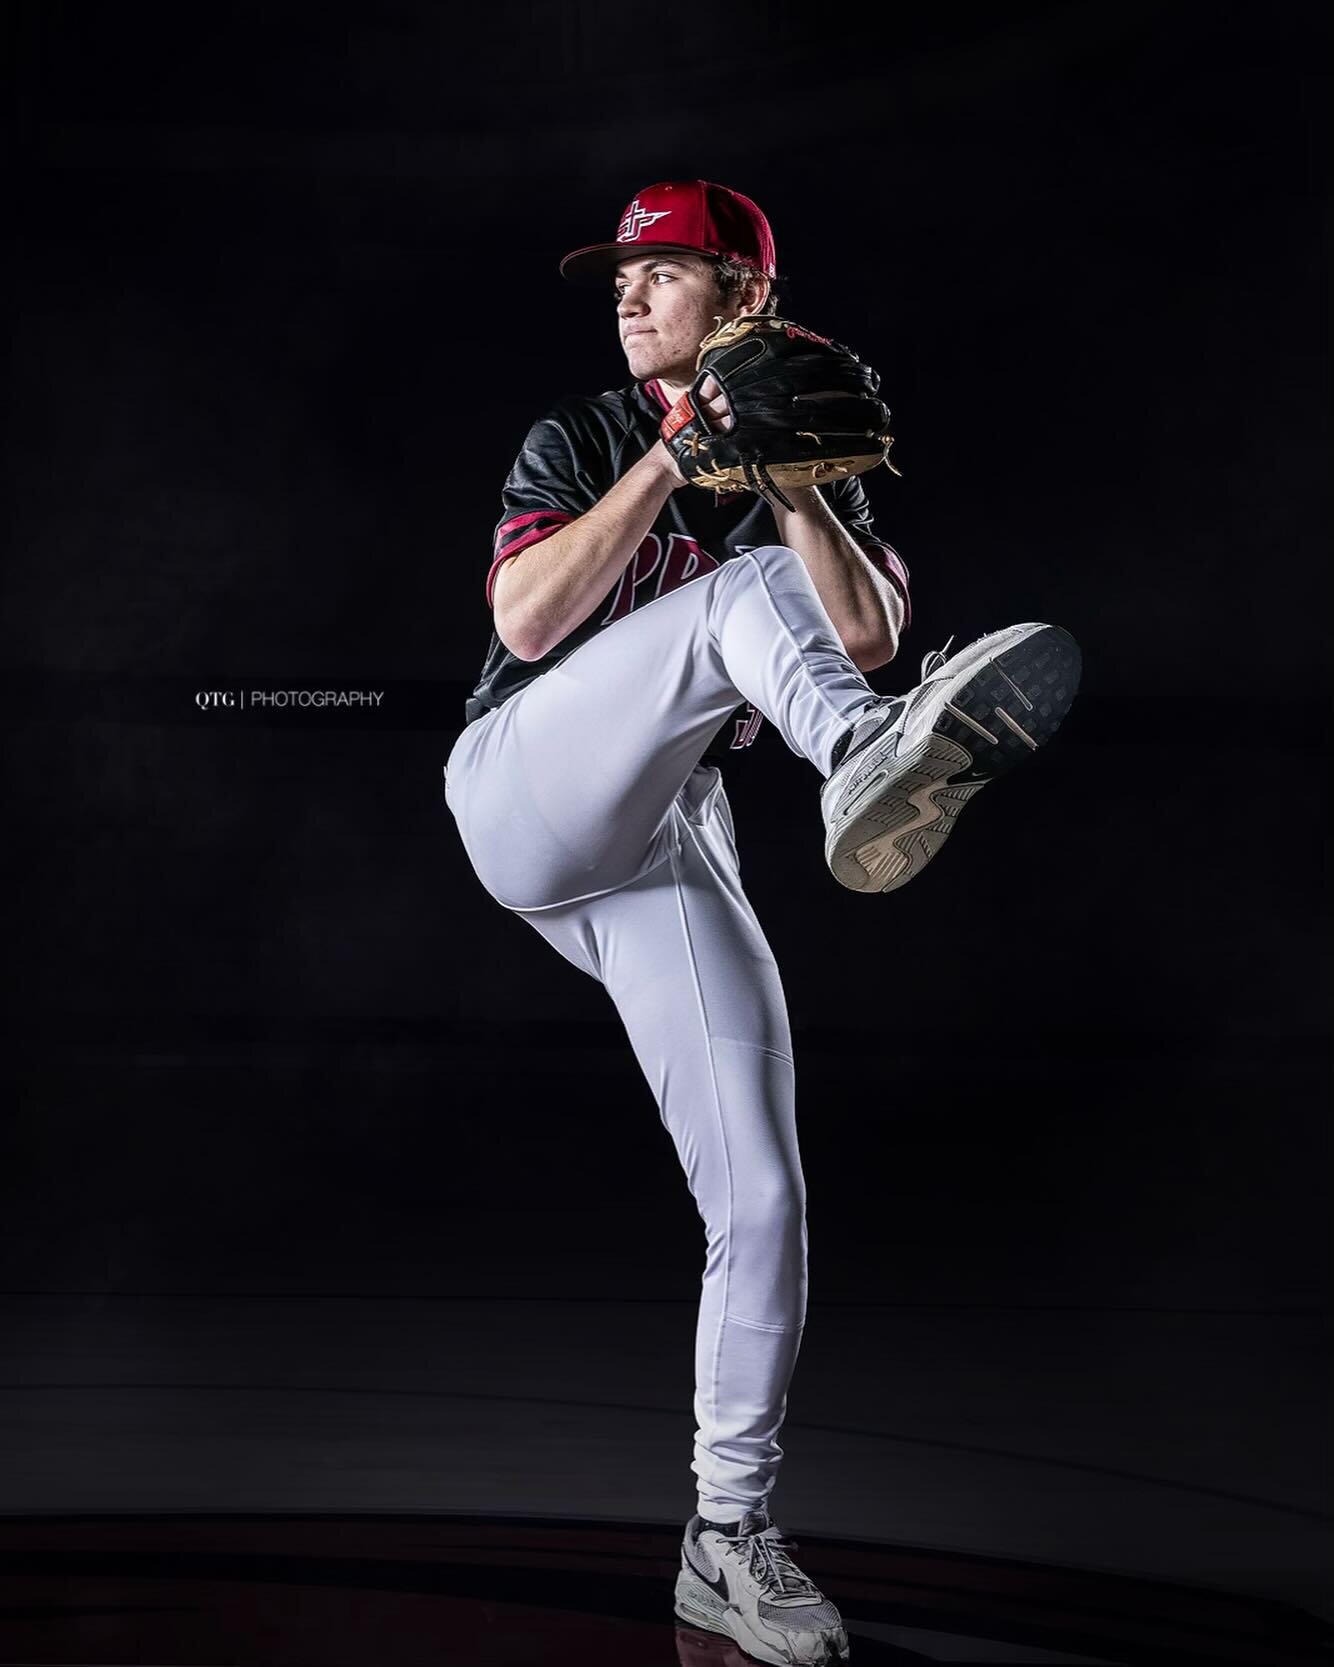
(571, 459)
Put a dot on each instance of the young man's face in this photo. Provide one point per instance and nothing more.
(665, 306)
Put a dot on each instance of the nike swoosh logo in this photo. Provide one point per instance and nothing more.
(719, 1584)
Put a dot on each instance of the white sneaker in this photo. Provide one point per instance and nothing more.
(914, 761)
(744, 1584)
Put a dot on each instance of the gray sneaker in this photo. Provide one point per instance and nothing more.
(743, 1583)
(913, 761)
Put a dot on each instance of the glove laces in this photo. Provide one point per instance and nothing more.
(933, 661)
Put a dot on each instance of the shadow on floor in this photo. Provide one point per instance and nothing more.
(398, 1591)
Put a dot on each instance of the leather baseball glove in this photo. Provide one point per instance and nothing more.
(804, 411)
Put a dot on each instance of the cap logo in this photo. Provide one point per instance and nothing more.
(635, 220)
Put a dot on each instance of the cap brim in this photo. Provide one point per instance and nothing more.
(599, 260)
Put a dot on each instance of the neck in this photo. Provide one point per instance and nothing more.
(671, 388)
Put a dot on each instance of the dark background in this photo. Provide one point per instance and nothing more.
(283, 304)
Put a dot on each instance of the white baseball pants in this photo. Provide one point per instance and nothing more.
(583, 807)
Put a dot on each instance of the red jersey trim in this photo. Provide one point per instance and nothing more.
(552, 520)
(526, 520)
(654, 390)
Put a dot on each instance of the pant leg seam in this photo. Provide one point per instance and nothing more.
(714, 1365)
(584, 897)
(736, 1041)
(758, 1047)
(796, 646)
(757, 1325)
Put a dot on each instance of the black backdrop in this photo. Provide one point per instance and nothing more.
(283, 303)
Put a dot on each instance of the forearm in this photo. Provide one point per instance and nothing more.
(547, 590)
(865, 608)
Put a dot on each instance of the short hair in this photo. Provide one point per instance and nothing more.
(731, 274)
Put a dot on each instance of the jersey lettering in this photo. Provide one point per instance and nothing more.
(657, 566)
(747, 728)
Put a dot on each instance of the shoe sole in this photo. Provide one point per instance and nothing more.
(699, 1605)
(1010, 705)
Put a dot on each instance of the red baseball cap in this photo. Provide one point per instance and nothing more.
(691, 214)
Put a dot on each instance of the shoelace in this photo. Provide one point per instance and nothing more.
(933, 661)
(770, 1563)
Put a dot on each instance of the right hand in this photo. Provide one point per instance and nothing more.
(714, 407)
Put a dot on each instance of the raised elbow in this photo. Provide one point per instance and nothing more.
(870, 659)
(510, 618)
(522, 642)
(880, 646)
(874, 652)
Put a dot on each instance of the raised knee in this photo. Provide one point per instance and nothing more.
(773, 555)
(767, 557)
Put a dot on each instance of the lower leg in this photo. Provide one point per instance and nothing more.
(695, 984)
(743, 1366)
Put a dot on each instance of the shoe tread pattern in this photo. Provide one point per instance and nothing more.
(886, 845)
(890, 842)
(1045, 667)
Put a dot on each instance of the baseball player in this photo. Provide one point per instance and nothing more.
(644, 632)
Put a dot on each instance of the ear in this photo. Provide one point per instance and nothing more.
(754, 293)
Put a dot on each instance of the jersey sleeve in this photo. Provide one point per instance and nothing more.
(848, 500)
(549, 486)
